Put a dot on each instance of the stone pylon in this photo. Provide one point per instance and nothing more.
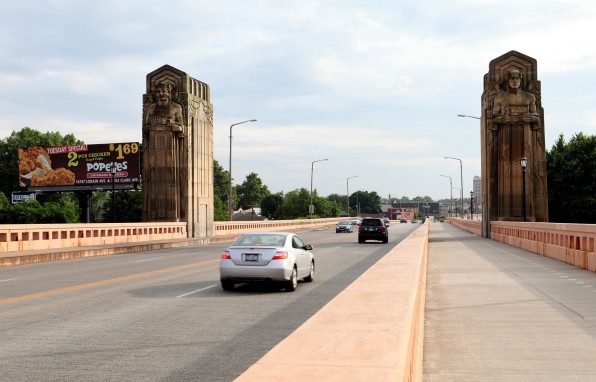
(512, 128)
(177, 156)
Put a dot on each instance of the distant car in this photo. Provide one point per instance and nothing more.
(355, 221)
(402, 220)
(373, 229)
(386, 221)
(343, 226)
(413, 221)
(280, 257)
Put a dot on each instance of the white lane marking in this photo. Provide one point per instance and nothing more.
(196, 291)
(1, 281)
(155, 258)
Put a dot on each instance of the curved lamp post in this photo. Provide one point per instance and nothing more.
(523, 162)
(348, 194)
(467, 116)
(311, 207)
(230, 209)
(461, 178)
(451, 191)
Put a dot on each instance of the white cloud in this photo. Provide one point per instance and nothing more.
(374, 87)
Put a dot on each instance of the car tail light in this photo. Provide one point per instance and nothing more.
(359, 228)
(383, 229)
(225, 255)
(280, 255)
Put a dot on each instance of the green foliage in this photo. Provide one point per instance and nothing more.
(98, 204)
(571, 179)
(221, 183)
(295, 204)
(340, 200)
(220, 210)
(33, 212)
(26, 137)
(128, 206)
(4, 202)
(271, 206)
(66, 212)
(251, 191)
(370, 202)
(325, 208)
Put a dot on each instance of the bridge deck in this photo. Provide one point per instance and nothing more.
(498, 313)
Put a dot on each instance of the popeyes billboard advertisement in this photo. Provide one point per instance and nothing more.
(80, 167)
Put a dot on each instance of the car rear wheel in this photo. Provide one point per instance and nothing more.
(227, 285)
(292, 283)
(311, 275)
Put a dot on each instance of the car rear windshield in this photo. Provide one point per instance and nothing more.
(260, 240)
(372, 222)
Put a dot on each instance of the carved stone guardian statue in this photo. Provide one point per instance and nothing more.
(178, 151)
(512, 128)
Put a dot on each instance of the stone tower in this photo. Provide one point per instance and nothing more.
(178, 151)
(512, 127)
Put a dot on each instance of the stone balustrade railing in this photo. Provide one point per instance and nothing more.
(573, 244)
(29, 237)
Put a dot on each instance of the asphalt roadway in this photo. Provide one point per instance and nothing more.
(498, 313)
(161, 315)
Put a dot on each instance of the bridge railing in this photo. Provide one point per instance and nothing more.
(28, 237)
(570, 243)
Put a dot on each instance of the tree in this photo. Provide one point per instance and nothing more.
(221, 182)
(370, 202)
(324, 208)
(571, 180)
(98, 205)
(295, 204)
(251, 191)
(338, 200)
(271, 205)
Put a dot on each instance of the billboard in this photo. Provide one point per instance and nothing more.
(80, 167)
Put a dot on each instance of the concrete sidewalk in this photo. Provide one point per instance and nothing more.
(498, 313)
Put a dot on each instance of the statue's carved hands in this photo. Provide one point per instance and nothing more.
(531, 118)
(497, 118)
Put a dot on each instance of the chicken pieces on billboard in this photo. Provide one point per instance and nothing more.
(79, 166)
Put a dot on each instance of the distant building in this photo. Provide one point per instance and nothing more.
(477, 188)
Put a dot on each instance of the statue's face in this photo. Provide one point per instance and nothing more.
(163, 95)
(515, 81)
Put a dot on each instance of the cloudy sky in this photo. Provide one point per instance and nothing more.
(375, 87)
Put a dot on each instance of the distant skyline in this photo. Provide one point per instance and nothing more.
(374, 87)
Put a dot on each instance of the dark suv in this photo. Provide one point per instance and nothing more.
(373, 229)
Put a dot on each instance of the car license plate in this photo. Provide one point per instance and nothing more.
(251, 257)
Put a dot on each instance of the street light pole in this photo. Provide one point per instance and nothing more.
(348, 193)
(461, 190)
(468, 116)
(450, 190)
(524, 162)
(230, 209)
(311, 208)
(471, 205)
(113, 171)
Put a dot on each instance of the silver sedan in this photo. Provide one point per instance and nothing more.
(267, 256)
